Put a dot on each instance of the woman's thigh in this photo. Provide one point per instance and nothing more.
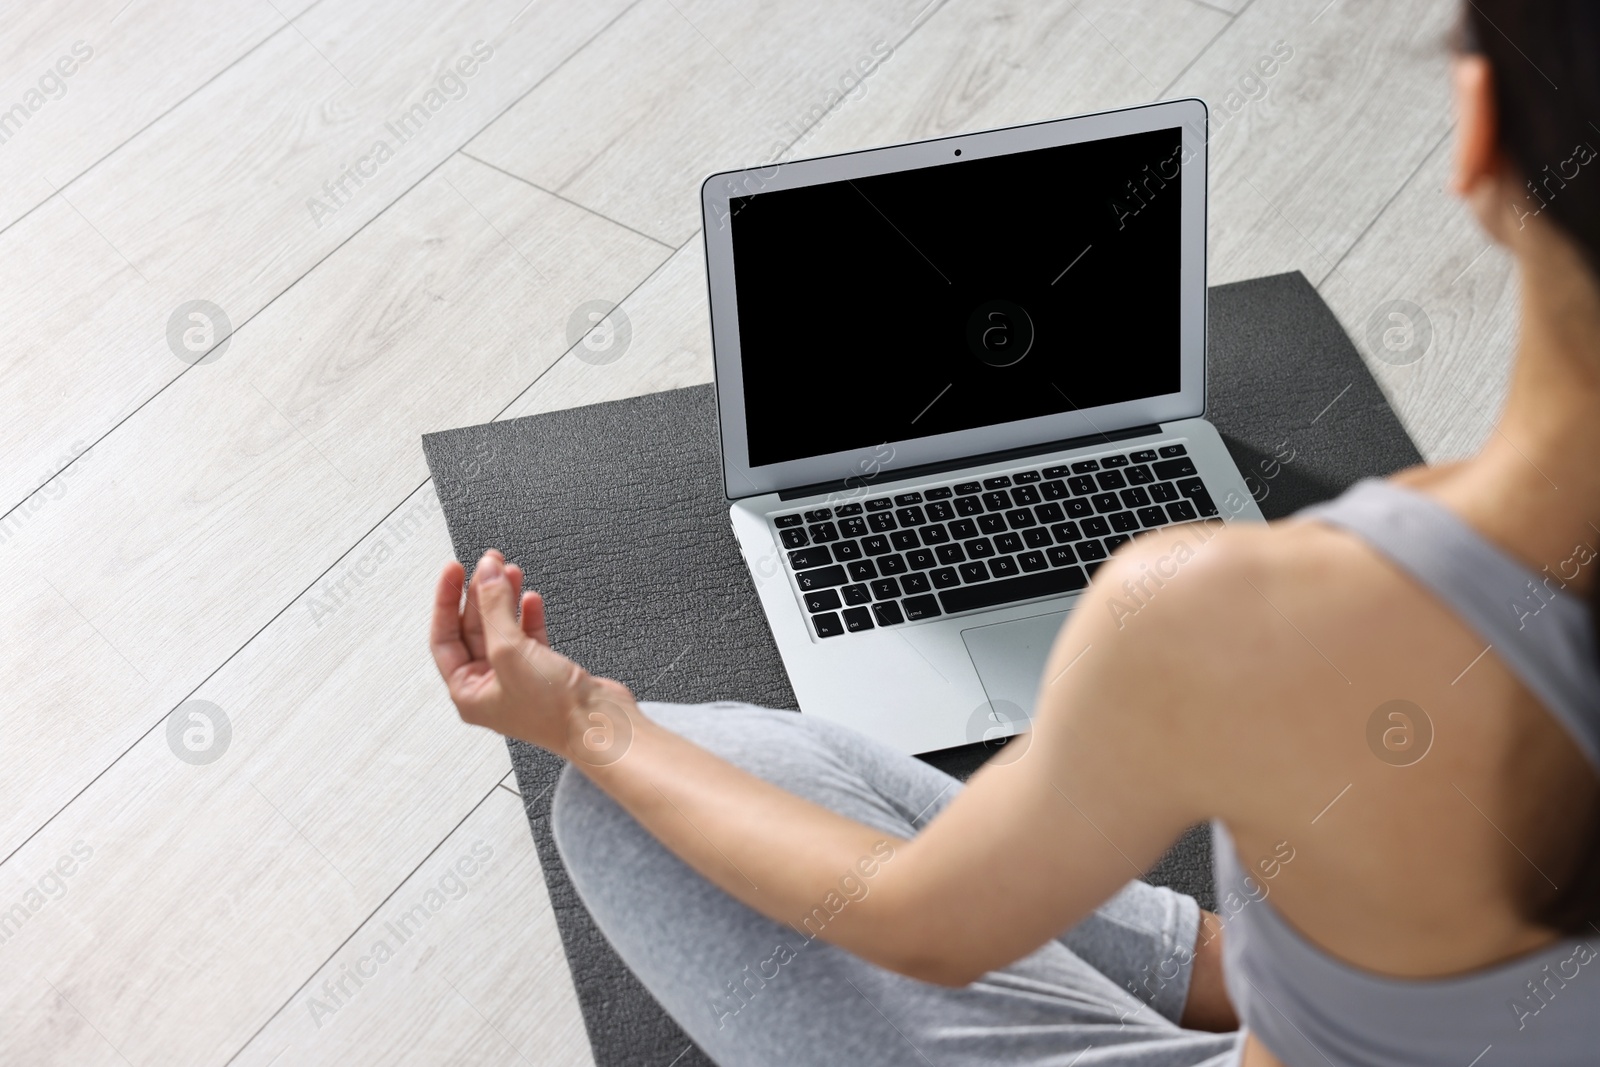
(752, 991)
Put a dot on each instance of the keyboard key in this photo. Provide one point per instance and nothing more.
(862, 571)
(824, 531)
(967, 488)
(888, 614)
(949, 554)
(886, 589)
(1003, 566)
(1032, 561)
(845, 551)
(892, 564)
(1025, 587)
(1090, 568)
(1134, 498)
(969, 505)
(1022, 477)
(920, 559)
(882, 522)
(1168, 451)
(1053, 490)
(821, 578)
(1195, 490)
(1168, 469)
(992, 524)
(1090, 550)
(940, 512)
(1048, 513)
(856, 594)
(1106, 502)
(941, 493)
(1182, 511)
(1096, 526)
(1061, 556)
(920, 607)
(1019, 518)
(962, 529)
(1152, 516)
(1084, 466)
(1124, 522)
(805, 558)
(827, 625)
(854, 527)
(904, 540)
(1146, 455)
(1116, 541)
(906, 499)
(857, 619)
(979, 548)
(822, 600)
(999, 500)
(1082, 485)
(785, 521)
(819, 515)
(1038, 537)
(974, 572)
(1025, 496)
(996, 483)
(883, 503)
(847, 509)
(1140, 475)
(1163, 493)
(1076, 508)
(1111, 480)
(1008, 543)
(935, 535)
(795, 538)
(1066, 531)
(876, 545)
(945, 577)
(910, 516)
(915, 583)
(1055, 472)
(1113, 461)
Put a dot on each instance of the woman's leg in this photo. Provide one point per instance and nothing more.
(752, 991)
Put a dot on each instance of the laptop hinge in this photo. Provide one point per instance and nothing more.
(900, 474)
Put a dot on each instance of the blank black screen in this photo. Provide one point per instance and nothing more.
(895, 307)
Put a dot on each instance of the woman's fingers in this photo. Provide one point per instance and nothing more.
(533, 619)
(472, 617)
(444, 635)
(497, 605)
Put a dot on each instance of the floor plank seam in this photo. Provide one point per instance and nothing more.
(1226, 26)
(567, 200)
(1387, 204)
(289, 1000)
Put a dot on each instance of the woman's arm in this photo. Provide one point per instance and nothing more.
(1074, 810)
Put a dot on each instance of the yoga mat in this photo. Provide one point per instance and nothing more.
(616, 514)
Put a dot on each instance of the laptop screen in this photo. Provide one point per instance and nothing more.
(921, 302)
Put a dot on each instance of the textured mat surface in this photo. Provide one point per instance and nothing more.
(616, 514)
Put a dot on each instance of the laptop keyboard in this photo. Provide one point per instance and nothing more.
(977, 544)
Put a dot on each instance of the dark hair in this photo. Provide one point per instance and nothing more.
(1545, 55)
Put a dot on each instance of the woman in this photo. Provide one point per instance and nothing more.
(1388, 707)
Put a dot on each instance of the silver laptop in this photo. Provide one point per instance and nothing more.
(952, 378)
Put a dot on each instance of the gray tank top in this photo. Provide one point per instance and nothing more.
(1540, 1010)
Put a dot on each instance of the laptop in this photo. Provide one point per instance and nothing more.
(952, 378)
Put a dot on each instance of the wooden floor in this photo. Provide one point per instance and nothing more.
(325, 866)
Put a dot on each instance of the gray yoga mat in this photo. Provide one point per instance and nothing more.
(616, 514)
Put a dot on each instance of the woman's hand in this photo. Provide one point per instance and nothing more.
(503, 674)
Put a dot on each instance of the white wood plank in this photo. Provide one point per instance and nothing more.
(125, 65)
(1303, 160)
(213, 201)
(1428, 250)
(236, 488)
(477, 976)
(1006, 62)
(675, 90)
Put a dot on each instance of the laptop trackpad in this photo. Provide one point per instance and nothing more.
(1010, 658)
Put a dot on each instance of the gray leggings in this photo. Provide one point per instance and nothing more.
(752, 991)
